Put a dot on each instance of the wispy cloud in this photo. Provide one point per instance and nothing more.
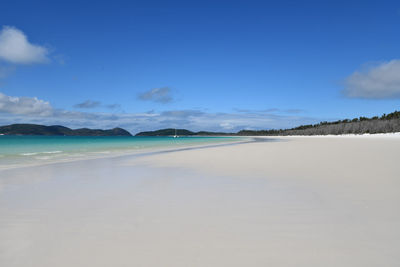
(113, 106)
(182, 113)
(16, 48)
(377, 82)
(33, 110)
(161, 95)
(88, 104)
(244, 110)
(294, 110)
(270, 110)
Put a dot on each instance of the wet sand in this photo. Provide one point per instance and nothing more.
(299, 201)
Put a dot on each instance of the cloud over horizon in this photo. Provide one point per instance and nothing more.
(381, 81)
(33, 110)
(160, 95)
(15, 48)
(270, 110)
(24, 106)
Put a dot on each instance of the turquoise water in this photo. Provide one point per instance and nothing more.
(20, 150)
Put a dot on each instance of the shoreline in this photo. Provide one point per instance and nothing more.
(151, 151)
(115, 154)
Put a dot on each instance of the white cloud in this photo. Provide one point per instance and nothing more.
(15, 48)
(379, 82)
(24, 106)
(161, 95)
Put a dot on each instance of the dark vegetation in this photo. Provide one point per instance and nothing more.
(35, 129)
(387, 123)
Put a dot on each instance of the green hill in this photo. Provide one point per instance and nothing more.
(166, 132)
(35, 129)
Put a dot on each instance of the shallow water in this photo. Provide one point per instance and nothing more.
(17, 151)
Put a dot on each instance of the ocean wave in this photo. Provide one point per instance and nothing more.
(28, 154)
(38, 153)
(52, 152)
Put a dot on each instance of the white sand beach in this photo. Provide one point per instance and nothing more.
(295, 201)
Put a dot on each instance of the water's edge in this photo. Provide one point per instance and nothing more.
(139, 152)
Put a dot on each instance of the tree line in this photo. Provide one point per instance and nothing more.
(387, 123)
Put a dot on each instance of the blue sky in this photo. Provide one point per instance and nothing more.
(201, 65)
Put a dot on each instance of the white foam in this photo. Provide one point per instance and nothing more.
(37, 153)
(29, 154)
(52, 152)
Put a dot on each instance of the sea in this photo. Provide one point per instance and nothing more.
(19, 151)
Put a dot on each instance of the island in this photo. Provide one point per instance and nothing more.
(36, 129)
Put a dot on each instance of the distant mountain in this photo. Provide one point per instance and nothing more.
(35, 129)
(166, 132)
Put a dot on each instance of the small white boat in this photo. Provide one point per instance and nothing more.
(176, 136)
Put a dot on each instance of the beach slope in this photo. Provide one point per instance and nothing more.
(292, 201)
